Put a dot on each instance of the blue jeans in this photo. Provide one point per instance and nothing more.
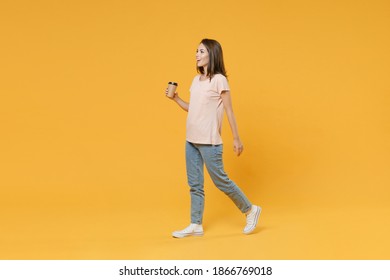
(196, 156)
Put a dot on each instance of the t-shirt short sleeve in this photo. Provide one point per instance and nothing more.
(221, 84)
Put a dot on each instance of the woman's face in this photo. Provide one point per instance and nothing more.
(202, 56)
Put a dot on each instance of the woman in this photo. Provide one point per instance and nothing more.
(210, 96)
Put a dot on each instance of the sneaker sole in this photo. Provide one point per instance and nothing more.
(256, 219)
(182, 235)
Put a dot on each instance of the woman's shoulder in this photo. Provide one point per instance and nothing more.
(196, 78)
(220, 79)
(219, 76)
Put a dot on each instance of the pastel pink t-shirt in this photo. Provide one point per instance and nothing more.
(205, 112)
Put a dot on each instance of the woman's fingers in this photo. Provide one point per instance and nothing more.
(238, 149)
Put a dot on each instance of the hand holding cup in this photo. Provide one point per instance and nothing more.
(171, 90)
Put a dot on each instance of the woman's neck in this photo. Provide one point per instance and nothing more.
(205, 71)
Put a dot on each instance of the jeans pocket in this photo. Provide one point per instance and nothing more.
(218, 151)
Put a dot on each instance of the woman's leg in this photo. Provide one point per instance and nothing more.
(212, 156)
(195, 177)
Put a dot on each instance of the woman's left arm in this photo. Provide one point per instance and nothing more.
(227, 103)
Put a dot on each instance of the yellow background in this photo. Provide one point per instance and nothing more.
(92, 152)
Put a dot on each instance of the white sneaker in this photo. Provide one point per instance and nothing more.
(251, 219)
(191, 230)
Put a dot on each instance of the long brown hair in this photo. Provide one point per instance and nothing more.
(216, 64)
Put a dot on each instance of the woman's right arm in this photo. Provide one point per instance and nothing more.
(184, 105)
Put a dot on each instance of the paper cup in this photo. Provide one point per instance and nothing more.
(171, 89)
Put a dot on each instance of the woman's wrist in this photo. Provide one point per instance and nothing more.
(176, 98)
